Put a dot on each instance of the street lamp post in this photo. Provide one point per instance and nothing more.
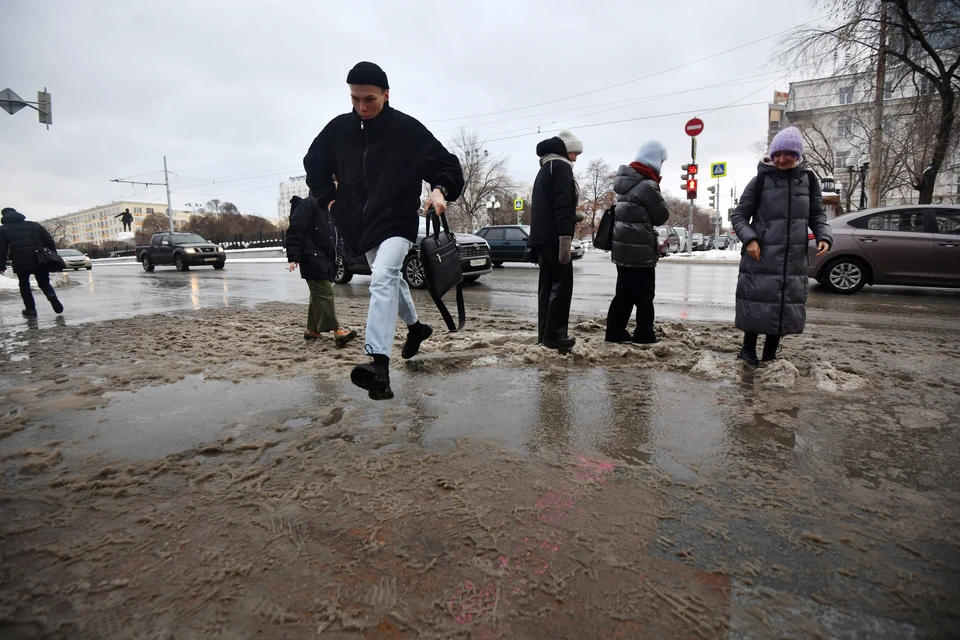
(493, 205)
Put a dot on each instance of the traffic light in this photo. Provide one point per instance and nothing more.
(713, 196)
(689, 178)
(44, 108)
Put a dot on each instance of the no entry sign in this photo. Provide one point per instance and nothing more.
(694, 127)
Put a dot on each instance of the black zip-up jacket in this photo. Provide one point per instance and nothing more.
(554, 210)
(19, 236)
(379, 165)
(312, 241)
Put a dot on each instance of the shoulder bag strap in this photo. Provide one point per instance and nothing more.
(461, 311)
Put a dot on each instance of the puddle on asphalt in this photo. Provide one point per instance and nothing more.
(669, 420)
(154, 422)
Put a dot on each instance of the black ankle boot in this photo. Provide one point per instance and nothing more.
(416, 333)
(55, 303)
(749, 356)
(374, 377)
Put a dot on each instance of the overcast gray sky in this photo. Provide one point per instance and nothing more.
(234, 91)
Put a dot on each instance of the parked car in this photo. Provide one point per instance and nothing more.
(903, 245)
(667, 240)
(183, 250)
(723, 241)
(474, 260)
(684, 239)
(75, 259)
(576, 250)
(508, 243)
(699, 243)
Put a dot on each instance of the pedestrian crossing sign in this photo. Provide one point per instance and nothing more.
(518, 205)
(718, 170)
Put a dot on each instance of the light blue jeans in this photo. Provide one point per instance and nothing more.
(389, 295)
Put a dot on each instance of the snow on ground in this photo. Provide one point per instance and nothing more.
(713, 255)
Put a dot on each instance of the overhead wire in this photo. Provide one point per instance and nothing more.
(626, 82)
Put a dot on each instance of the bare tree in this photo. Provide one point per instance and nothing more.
(922, 37)
(58, 231)
(156, 222)
(596, 191)
(485, 178)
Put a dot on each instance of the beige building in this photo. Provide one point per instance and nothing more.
(99, 225)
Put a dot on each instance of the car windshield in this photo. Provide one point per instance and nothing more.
(69, 252)
(661, 231)
(186, 238)
(526, 228)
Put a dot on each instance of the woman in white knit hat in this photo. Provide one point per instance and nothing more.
(553, 218)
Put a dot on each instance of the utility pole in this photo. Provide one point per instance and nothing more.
(876, 148)
(165, 183)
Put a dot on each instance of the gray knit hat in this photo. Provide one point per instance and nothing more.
(652, 154)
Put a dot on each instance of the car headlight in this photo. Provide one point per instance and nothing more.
(219, 248)
(190, 250)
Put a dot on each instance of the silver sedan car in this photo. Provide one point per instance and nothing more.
(75, 259)
(903, 245)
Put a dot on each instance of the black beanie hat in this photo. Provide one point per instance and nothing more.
(368, 73)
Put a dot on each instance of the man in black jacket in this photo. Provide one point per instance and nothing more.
(126, 218)
(18, 236)
(553, 219)
(380, 157)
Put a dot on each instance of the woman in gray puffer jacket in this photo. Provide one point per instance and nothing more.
(640, 207)
(772, 285)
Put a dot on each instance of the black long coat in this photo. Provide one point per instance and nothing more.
(554, 210)
(772, 292)
(18, 236)
(312, 241)
(640, 206)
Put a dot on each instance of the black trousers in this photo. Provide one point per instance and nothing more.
(555, 293)
(770, 344)
(43, 281)
(635, 288)
(126, 226)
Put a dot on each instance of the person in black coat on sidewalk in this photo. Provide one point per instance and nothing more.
(19, 237)
(553, 218)
(312, 246)
(640, 207)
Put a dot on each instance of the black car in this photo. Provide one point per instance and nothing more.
(474, 260)
(508, 242)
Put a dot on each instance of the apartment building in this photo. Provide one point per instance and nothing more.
(836, 116)
(98, 224)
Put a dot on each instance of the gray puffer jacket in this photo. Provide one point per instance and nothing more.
(640, 207)
(772, 292)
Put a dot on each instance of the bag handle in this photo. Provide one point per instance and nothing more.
(437, 220)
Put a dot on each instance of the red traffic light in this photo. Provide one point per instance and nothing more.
(692, 189)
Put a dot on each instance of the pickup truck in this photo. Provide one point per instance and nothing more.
(182, 250)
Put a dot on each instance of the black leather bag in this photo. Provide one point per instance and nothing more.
(47, 259)
(604, 237)
(440, 258)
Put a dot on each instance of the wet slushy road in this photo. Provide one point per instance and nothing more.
(684, 291)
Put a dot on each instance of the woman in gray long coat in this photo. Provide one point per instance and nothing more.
(771, 221)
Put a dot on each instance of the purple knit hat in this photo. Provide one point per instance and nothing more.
(788, 140)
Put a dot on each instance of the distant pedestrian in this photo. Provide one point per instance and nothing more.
(771, 221)
(381, 157)
(312, 246)
(126, 218)
(553, 219)
(22, 239)
(640, 207)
